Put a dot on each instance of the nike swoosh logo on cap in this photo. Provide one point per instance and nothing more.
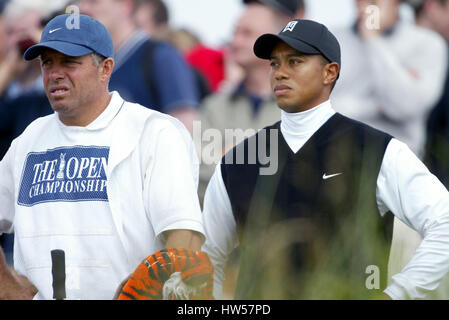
(53, 30)
(325, 177)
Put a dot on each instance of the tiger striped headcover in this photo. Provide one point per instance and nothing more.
(175, 273)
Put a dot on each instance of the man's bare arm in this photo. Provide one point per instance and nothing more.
(175, 239)
(183, 239)
(13, 286)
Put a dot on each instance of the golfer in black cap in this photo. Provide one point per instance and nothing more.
(319, 227)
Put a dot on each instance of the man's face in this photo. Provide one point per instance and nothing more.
(23, 26)
(72, 84)
(384, 5)
(143, 16)
(438, 13)
(255, 21)
(105, 11)
(297, 79)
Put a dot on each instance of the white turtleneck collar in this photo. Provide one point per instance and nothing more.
(297, 128)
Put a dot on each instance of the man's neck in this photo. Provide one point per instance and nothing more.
(424, 22)
(89, 112)
(122, 33)
(257, 83)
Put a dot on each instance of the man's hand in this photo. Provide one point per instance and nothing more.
(14, 286)
(11, 66)
(120, 287)
(374, 22)
(187, 239)
(26, 290)
(176, 273)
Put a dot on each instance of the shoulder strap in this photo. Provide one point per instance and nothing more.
(147, 67)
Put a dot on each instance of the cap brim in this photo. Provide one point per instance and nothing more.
(265, 44)
(67, 48)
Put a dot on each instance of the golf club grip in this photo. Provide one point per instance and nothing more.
(58, 273)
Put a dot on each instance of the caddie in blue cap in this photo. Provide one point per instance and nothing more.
(96, 180)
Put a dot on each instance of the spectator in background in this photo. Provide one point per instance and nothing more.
(394, 77)
(250, 105)
(4, 71)
(152, 16)
(6, 56)
(434, 15)
(209, 62)
(22, 95)
(153, 74)
(396, 72)
(5, 132)
(183, 39)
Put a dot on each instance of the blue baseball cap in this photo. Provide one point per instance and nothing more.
(75, 36)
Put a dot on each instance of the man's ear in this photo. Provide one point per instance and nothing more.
(106, 68)
(330, 72)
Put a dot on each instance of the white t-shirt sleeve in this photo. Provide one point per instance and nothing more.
(171, 195)
(7, 191)
(220, 227)
(415, 196)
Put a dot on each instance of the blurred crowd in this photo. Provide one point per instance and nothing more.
(394, 74)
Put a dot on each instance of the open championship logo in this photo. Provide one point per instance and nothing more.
(64, 174)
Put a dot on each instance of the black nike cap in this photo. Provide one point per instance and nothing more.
(306, 36)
